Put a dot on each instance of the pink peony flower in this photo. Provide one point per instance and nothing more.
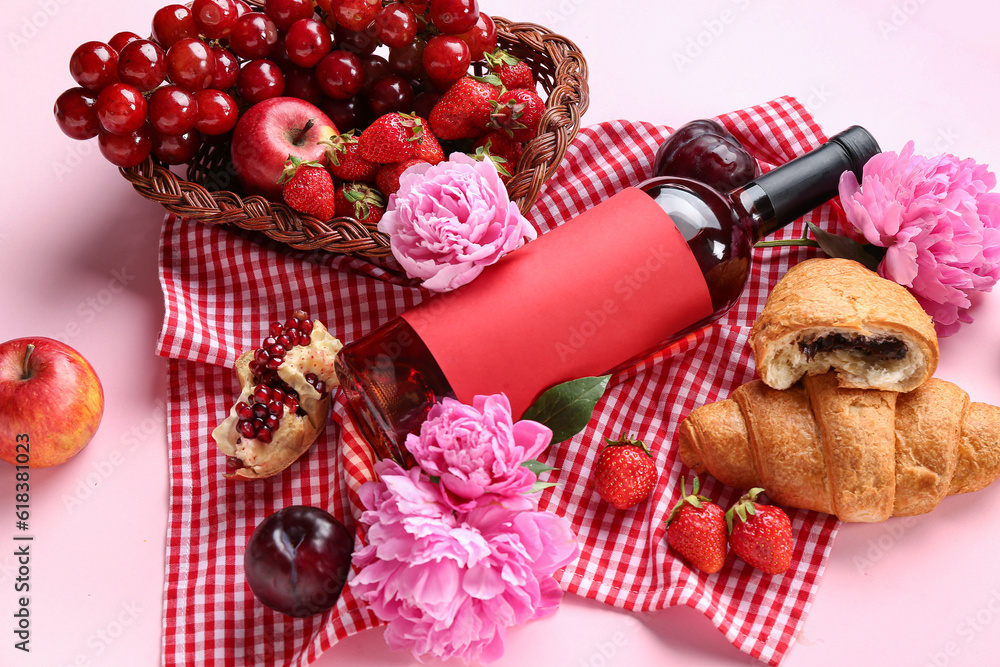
(449, 584)
(939, 223)
(476, 451)
(449, 221)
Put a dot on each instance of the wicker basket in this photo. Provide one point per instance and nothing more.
(560, 69)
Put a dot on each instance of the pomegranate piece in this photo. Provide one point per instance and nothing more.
(284, 401)
(297, 560)
(705, 151)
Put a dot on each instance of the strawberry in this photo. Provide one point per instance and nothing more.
(513, 72)
(344, 159)
(625, 473)
(517, 113)
(696, 529)
(504, 151)
(361, 202)
(387, 180)
(428, 147)
(762, 535)
(465, 109)
(391, 138)
(308, 187)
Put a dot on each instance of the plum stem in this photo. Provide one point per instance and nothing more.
(25, 370)
(301, 136)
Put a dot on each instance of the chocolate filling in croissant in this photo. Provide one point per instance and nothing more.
(879, 347)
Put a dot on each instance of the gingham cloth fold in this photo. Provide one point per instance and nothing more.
(222, 288)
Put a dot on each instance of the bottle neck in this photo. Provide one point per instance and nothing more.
(786, 193)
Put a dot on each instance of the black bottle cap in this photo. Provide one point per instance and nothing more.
(812, 179)
(860, 146)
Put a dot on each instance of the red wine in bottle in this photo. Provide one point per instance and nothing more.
(639, 271)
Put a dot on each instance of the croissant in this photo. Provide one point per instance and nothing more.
(860, 454)
(834, 313)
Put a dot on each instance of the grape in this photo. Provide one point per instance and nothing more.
(361, 42)
(396, 25)
(350, 113)
(175, 148)
(453, 17)
(217, 112)
(143, 64)
(94, 65)
(191, 64)
(172, 110)
(446, 60)
(172, 24)
(301, 82)
(308, 42)
(125, 150)
(226, 69)
(340, 75)
(408, 61)
(260, 80)
(297, 560)
(121, 108)
(120, 39)
(482, 39)
(285, 13)
(76, 113)
(215, 18)
(253, 36)
(391, 93)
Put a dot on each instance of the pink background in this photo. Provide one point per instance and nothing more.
(78, 254)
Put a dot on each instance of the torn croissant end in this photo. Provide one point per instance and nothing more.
(298, 428)
(828, 313)
(861, 454)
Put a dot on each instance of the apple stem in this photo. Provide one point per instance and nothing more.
(301, 136)
(25, 371)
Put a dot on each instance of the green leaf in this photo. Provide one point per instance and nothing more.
(567, 408)
(537, 466)
(845, 248)
(541, 486)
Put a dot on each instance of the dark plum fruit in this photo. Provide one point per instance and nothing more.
(297, 560)
(705, 151)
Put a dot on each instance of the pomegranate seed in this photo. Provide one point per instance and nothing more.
(306, 326)
(273, 363)
(277, 350)
(264, 434)
(300, 315)
(321, 387)
(233, 463)
(272, 422)
(275, 329)
(292, 404)
(285, 340)
(291, 323)
(246, 429)
(311, 378)
(259, 410)
(277, 394)
(243, 410)
(257, 424)
(276, 407)
(261, 393)
(260, 356)
(304, 340)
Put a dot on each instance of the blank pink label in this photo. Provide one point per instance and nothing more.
(592, 293)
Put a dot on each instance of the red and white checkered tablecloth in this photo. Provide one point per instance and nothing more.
(223, 287)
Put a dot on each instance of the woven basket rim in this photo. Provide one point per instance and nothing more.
(567, 99)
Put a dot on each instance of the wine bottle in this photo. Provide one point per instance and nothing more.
(641, 270)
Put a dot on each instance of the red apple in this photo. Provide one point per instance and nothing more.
(269, 132)
(51, 402)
